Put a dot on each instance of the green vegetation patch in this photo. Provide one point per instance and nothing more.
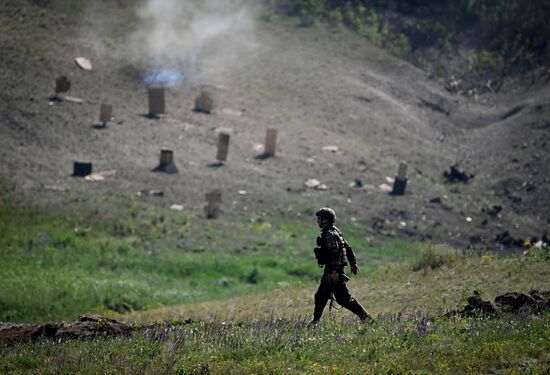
(137, 257)
(397, 343)
(503, 35)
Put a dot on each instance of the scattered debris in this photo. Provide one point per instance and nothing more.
(390, 180)
(61, 98)
(258, 147)
(330, 148)
(493, 210)
(385, 187)
(242, 192)
(55, 188)
(83, 63)
(506, 239)
(435, 200)
(456, 174)
(150, 193)
(232, 112)
(357, 183)
(469, 219)
(176, 207)
(70, 99)
(452, 85)
(322, 187)
(100, 176)
(312, 183)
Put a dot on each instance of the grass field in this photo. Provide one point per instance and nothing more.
(56, 267)
(247, 290)
(396, 344)
(402, 340)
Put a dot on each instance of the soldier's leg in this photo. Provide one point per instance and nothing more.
(321, 298)
(344, 298)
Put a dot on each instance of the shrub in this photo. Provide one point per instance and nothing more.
(307, 10)
(486, 61)
(433, 257)
(335, 17)
(269, 15)
(424, 34)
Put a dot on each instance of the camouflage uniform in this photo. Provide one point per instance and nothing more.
(335, 250)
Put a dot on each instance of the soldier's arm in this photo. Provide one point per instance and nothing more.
(349, 251)
(350, 254)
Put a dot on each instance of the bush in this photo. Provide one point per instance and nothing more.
(307, 10)
(423, 34)
(433, 257)
(487, 61)
(269, 15)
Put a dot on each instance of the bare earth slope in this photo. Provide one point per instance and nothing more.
(317, 86)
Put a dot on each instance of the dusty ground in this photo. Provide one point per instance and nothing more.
(318, 87)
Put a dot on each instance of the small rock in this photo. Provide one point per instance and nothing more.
(456, 174)
(312, 183)
(357, 183)
(150, 193)
(83, 63)
(330, 148)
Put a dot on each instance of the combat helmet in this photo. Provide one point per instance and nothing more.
(327, 214)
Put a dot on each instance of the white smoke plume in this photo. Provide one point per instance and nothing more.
(199, 38)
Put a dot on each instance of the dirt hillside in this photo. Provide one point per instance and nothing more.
(317, 86)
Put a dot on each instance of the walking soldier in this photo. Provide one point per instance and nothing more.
(331, 252)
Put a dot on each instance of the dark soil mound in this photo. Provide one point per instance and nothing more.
(530, 303)
(87, 327)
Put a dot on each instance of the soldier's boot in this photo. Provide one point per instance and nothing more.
(320, 304)
(321, 299)
(355, 307)
(317, 313)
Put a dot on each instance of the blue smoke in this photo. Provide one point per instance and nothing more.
(164, 77)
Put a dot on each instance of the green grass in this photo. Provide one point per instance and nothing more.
(56, 267)
(397, 343)
(248, 287)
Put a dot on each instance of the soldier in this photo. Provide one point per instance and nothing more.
(331, 252)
